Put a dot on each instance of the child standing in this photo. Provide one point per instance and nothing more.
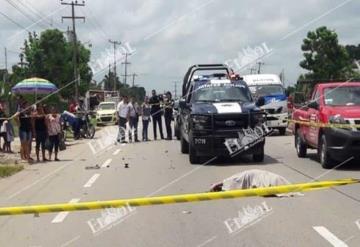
(9, 136)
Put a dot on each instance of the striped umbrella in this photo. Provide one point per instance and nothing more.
(34, 86)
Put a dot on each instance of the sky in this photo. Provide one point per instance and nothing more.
(167, 36)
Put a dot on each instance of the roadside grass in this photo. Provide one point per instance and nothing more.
(8, 170)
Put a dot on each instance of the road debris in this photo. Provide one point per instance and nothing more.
(126, 165)
(92, 167)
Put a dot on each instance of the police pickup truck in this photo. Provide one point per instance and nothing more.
(215, 108)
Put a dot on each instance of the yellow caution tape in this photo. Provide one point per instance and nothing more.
(172, 199)
(324, 125)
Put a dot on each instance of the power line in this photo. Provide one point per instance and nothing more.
(17, 24)
(34, 11)
(73, 17)
(23, 12)
(94, 22)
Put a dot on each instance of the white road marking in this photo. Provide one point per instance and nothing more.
(70, 241)
(116, 151)
(62, 215)
(92, 180)
(106, 163)
(207, 241)
(329, 236)
(39, 180)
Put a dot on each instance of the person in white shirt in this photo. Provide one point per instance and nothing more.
(123, 115)
(134, 119)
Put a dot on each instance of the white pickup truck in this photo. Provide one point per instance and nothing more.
(270, 89)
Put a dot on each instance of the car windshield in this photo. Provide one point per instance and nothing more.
(218, 93)
(342, 96)
(265, 90)
(109, 106)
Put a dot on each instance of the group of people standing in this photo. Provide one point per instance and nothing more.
(42, 124)
(152, 109)
(38, 122)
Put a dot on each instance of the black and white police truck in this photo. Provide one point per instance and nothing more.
(216, 107)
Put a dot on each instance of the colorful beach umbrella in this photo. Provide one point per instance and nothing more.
(34, 86)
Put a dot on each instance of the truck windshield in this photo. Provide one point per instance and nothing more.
(342, 96)
(218, 93)
(265, 90)
(106, 106)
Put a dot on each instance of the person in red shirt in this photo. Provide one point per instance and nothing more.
(72, 106)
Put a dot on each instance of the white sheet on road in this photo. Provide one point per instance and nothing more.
(255, 178)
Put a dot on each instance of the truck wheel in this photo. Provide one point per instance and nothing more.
(301, 147)
(184, 145)
(193, 158)
(325, 160)
(259, 157)
(282, 131)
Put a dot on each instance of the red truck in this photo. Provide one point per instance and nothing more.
(330, 123)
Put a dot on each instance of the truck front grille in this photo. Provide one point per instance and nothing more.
(231, 121)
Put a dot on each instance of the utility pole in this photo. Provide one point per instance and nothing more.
(126, 63)
(22, 63)
(4, 75)
(106, 84)
(252, 70)
(6, 59)
(133, 79)
(73, 17)
(175, 89)
(259, 66)
(114, 44)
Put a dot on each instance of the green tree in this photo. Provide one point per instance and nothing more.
(49, 56)
(325, 58)
(353, 51)
(108, 82)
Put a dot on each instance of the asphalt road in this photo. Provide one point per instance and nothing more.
(318, 218)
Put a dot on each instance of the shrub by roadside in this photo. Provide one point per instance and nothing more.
(8, 170)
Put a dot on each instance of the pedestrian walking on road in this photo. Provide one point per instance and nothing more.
(133, 120)
(54, 130)
(40, 130)
(168, 109)
(156, 113)
(123, 114)
(145, 115)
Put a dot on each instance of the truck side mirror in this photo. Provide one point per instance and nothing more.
(182, 103)
(260, 102)
(313, 105)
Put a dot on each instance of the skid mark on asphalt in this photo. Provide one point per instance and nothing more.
(329, 236)
(62, 215)
(92, 180)
(106, 163)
